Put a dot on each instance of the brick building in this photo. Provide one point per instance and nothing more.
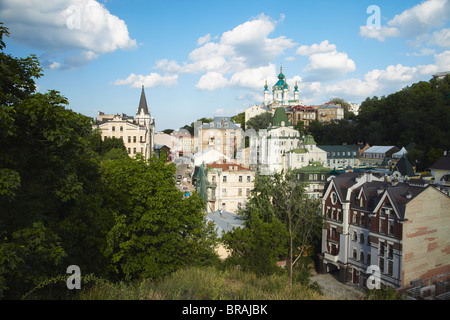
(402, 228)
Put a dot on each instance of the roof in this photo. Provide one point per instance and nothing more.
(342, 149)
(279, 117)
(220, 123)
(309, 139)
(404, 167)
(442, 164)
(143, 103)
(379, 149)
(227, 166)
(400, 153)
(315, 167)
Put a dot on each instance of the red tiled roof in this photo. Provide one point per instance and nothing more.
(227, 166)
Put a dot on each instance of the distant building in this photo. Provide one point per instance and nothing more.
(340, 157)
(221, 135)
(440, 170)
(307, 153)
(316, 176)
(399, 229)
(298, 113)
(377, 155)
(274, 143)
(136, 133)
(224, 186)
(330, 112)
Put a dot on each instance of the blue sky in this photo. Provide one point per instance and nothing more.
(206, 58)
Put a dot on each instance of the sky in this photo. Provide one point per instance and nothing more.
(211, 58)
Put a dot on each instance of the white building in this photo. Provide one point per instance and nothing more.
(306, 154)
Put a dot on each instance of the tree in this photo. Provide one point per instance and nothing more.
(239, 119)
(260, 121)
(278, 203)
(51, 210)
(299, 213)
(156, 229)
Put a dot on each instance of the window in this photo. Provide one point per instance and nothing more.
(361, 238)
(129, 139)
(239, 192)
(113, 128)
(249, 178)
(361, 256)
(354, 217)
(129, 150)
(224, 179)
(355, 256)
(381, 264)
(390, 251)
(381, 249)
(391, 225)
(224, 192)
(213, 178)
(121, 129)
(355, 236)
(134, 150)
(247, 192)
(239, 206)
(390, 269)
(240, 178)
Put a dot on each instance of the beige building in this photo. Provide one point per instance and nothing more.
(399, 230)
(136, 133)
(227, 186)
(330, 112)
(221, 135)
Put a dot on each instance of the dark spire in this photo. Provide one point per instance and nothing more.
(143, 103)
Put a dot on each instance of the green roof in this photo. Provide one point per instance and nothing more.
(315, 167)
(279, 117)
(309, 140)
(299, 150)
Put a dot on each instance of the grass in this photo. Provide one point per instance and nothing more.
(204, 283)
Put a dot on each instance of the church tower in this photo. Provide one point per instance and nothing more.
(144, 119)
(281, 89)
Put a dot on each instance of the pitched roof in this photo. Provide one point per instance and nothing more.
(143, 103)
(227, 166)
(279, 117)
(405, 167)
(442, 164)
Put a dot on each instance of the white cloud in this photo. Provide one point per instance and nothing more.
(212, 81)
(441, 38)
(150, 80)
(58, 27)
(253, 78)
(325, 62)
(54, 65)
(323, 47)
(204, 39)
(381, 34)
(239, 53)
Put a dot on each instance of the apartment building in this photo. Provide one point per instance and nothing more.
(399, 229)
(224, 186)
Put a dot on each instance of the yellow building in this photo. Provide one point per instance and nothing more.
(136, 133)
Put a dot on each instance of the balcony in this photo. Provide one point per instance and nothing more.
(330, 257)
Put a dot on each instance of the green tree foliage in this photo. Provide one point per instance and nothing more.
(239, 119)
(419, 113)
(156, 229)
(260, 121)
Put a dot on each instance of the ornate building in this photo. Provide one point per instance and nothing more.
(136, 133)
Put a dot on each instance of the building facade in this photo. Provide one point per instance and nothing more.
(221, 135)
(225, 186)
(399, 230)
(137, 133)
